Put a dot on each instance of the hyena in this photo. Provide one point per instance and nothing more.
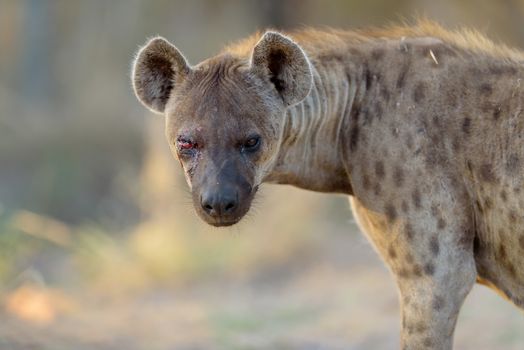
(421, 127)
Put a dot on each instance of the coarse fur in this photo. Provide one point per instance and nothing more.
(421, 126)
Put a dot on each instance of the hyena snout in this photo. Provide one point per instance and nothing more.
(224, 205)
(219, 203)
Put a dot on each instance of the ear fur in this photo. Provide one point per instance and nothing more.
(157, 68)
(284, 64)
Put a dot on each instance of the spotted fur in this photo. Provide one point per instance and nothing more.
(422, 128)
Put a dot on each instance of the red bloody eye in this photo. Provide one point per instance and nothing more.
(185, 144)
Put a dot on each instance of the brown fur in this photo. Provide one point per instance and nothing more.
(421, 126)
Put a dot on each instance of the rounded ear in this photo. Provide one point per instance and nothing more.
(280, 60)
(158, 67)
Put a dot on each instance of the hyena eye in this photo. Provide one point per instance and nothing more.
(251, 144)
(185, 145)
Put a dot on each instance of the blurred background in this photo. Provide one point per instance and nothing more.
(99, 245)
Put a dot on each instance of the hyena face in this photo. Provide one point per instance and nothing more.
(224, 127)
(224, 117)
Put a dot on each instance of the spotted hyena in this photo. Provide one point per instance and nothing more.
(423, 128)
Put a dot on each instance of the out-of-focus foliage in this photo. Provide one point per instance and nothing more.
(96, 224)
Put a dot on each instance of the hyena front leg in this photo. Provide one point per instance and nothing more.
(430, 253)
(430, 303)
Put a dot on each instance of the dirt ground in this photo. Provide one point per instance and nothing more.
(340, 298)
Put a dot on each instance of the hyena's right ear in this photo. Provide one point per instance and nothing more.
(285, 65)
(158, 67)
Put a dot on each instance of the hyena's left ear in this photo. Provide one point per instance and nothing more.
(158, 67)
(284, 64)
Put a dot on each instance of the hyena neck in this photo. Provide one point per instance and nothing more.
(314, 139)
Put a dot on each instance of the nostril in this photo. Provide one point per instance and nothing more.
(230, 206)
(206, 205)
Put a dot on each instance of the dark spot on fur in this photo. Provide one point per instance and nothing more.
(479, 206)
(417, 271)
(403, 273)
(378, 111)
(409, 141)
(512, 217)
(365, 181)
(368, 76)
(391, 212)
(436, 121)
(429, 269)
(503, 195)
(486, 107)
(486, 173)
(466, 125)
(377, 53)
(420, 92)
(398, 177)
(409, 231)
(452, 98)
(521, 241)
(379, 169)
(488, 204)
(438, 303)
(428, 342)
(377, 189)
(435, 211)
(384, 92)
(353, 137)
(434, 245)
(466, 238)
(469, 166)
(512, 164)
(394, 132)
(409, 329)
(496, 112)
(486, 89)
(434, 156)
(456, 144)
(354, 130)
(441, 224)
(404, 206)
(420, 327)
(392, 252)
(511, 269)
(409, 258)
(499, 69)
(355, 52)
(471, 71)
(502, 252)
(417, 202)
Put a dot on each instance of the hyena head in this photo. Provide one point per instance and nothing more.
(224, 117)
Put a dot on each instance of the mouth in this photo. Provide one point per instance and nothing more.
(223, 222)
(219, 221)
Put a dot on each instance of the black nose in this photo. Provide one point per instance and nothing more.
(218, 204)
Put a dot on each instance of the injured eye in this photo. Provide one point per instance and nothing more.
(185, 145)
